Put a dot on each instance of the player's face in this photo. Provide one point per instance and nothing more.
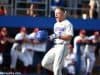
(23, 30)
(59, 15)
(96, 34)
(36, 29)
(82, 33)
(4, 31)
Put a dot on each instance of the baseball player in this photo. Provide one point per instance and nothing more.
(38, 49)
(63, 33)
(16, 50)
(69, 62)
(3, 45)
(81, 38)
(90, 52)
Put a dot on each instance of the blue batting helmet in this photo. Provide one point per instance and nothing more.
(42, 36)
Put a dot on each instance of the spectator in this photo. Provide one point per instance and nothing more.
(34, 0)
(31, 11)
(3, 11)
(84, 16)
(85, 12)
(57, 3)
(92, 11)
(98, 7)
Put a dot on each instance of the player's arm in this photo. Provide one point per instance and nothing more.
(33, 41)
(68, 34)
(66, 37)
(12, 40)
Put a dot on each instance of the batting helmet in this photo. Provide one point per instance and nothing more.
(41, 35)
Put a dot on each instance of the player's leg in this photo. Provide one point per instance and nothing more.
(24, 58)
(1, 61)
(29, 57)
(60, 53)
(14, 57)
(71, 70)
(83, 65)
(1, 58)
(48, 59)
(91, 62)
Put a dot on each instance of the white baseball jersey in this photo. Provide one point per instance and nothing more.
(69, 59)
(76, 39)
(90, 54)
(15, 54)
(90, 48)
(36, 47)
(64, 28)
(28, 46)
(82, 51)
(18, 36)
(54, 58)
(69, 62)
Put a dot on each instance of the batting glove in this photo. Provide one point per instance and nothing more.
(54, 36)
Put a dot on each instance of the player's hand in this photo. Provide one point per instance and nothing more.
(54, 36)
(36, 42)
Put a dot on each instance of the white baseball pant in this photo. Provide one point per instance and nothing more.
(25, 57)
(54, 58)
(90, 61)
(1, 58)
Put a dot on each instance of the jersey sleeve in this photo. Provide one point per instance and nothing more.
(18, 37)
(31, 36)
(91, 38)
(69, 29)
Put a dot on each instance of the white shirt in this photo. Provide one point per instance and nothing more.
(65, 28)
(82, 47)
(69, 63)
(37, 47)
(69, 59)
(19, 36)
(90, 48)
(28, 46)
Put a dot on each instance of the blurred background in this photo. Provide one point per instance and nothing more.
(84, 14)
(75, 8)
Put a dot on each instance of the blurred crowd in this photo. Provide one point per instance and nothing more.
(9, 55)
(77, 9)
(23, 53)
(18, 55)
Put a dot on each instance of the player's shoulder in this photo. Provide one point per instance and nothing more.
(91, 37)
(31, 35)
(66, 21)
(18, 34)
(77, 37)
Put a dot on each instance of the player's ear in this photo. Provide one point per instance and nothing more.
(65, 13)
